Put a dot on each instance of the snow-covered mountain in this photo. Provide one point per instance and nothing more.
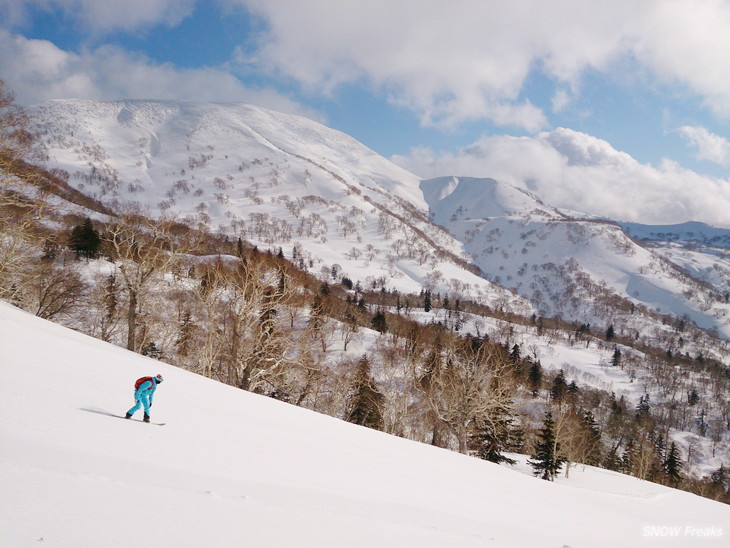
(284, 181)
(571, 265)
(273, 179)
(231, 468)
(700, 249)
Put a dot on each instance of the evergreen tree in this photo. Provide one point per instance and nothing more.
(673, 465)
(616, 359)
(546, 461)
(720, 478)
(610, 333)
(612, 461)
(85, 240)
(151, 350)
(535, 377)
(379, 323)
(629, 456)
(496, 434)
(516, 359)
(239, 249)
(365, 401)
(427, 301)
(643, 409)
(560, 387)
(593, 433)
(657, 467)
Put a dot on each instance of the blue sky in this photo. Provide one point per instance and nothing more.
(559, 97)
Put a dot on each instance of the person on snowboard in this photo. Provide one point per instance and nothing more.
(143, 394)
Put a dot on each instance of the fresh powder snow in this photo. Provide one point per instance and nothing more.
(231, 468)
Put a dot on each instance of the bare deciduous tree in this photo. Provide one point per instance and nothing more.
(21, 202)
(56, 290)
(468, 385)
(143, 248)
(248, 336)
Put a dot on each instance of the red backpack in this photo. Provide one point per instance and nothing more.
(141, 381)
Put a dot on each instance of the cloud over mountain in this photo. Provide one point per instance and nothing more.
(38, 70)
(574, 170)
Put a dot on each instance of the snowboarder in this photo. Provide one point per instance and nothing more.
(144, 391)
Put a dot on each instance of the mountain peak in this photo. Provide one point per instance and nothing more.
(275, 180)
(479, 198)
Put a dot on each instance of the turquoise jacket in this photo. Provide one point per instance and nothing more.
(146, 391)
(143, 396)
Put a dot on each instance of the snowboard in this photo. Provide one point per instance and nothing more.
(108, 414)
(139, 420)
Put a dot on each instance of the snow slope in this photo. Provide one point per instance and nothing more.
(278, 180)
(565, 262)
(274, 179)
(235, 469)
(710, 264)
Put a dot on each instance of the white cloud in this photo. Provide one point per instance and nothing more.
(469, 59)
(560, 100)
(688, 41)
(710, 147)
(464, 60)
(99, 16)
(574, 170)
(37, 70)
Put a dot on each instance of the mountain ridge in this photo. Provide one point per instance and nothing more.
(285, 181)
(313, 189)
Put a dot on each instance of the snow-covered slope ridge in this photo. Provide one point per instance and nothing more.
(276, 180)
(235, 469)
(565, 263)
(700, 249)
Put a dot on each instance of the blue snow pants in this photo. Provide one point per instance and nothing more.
(143, 401)
(143, 398)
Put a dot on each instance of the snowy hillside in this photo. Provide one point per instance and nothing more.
(231, 468)
(709, 264)
(575, 267)
(273, 179)
(334, 206)
(700, 249)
